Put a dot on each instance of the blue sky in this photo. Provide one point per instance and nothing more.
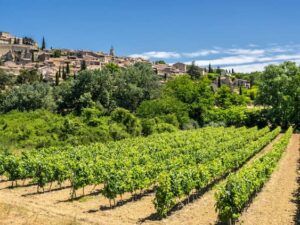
(243, 34)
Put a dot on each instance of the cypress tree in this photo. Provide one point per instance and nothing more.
(43, 44)
(56, 79)
(64, 74)
(194, 71)
(219, 82)
(241, 90)
(68, 68)
(59, 72)
(32, 56)
(165, 76)
(83, 65)
(210, 69)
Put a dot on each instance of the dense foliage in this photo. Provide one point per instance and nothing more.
(44, 129)
(279, 90)
(149, 106)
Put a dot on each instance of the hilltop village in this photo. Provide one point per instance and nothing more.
(24, 53)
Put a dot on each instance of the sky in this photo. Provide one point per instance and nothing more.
(245, 35)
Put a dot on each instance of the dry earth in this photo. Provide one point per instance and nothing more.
(23, 206)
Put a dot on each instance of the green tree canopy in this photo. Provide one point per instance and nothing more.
(279, 89)
(164, 106)
(197, 95)
(225, 97)
(6, 79)
(28, 97)
(134, 85)
(28, 76)
(194, 71)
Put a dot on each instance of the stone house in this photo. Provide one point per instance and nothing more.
(241, 83)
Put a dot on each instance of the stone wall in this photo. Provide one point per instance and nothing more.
(5, 48)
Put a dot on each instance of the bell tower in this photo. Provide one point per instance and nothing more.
(112, 51)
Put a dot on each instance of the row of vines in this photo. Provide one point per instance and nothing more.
(240, 187)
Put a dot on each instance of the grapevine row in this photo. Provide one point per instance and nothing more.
(240, 187)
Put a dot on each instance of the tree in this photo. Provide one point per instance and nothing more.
(83, 65)
(226, 98)
(232, 71)
(162, 107)
(194, 71)
(64, 73)
(219, 82)
(59, 72)
(28, 97)
(6, 79)
(197, 95)
(210, 69)
(134, 85)
(56, 53)
(68, 68)
(112, 67)
(125, 120)
(279, 91)
(97, 85)
(56, 79)
(28, 76)
(241, 90)
(28, 41)
(32, 56)
(160, 62)
(219, 71)
(43, 44)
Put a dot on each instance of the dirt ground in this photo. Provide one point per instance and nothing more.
(22, 205)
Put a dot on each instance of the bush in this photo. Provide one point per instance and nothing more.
(122, 118)
(230, 116)
(28, 97)
(165, 127)
(91, 116)
(42, 128)
(118, 131)
(156, 125)
(162, 107)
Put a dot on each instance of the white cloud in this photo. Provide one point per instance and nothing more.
(200, 53)
(279, 57)
(256, 66)
(249, 67)
(242, 51)
(232, 52)
(242, 59)
(157, 55)
(231, 60)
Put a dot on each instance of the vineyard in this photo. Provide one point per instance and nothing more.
(172, 167)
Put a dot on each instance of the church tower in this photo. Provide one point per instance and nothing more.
(112, 51)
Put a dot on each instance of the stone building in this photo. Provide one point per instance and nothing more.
(180, 66)
(241, 83)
